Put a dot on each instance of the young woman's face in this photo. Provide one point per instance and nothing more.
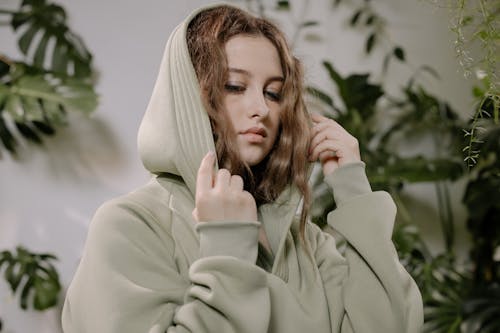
(253, 95)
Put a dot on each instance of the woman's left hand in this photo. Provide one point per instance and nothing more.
(332, 144)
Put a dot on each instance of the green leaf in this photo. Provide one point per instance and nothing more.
(41, 49)
(361, 95)
(41, 286)
(399, 53)
(13, 107)
(385, 64)
(50, 21)
(370, 42)
(369, 20)
(39, 102)
(44, 127)
(46, 293)
(309, 23)
(321, 95)
(421, 169)
(4, 68)
(59, 59)
(283, 5)
(6, 137)
(32, 109)
(477, 91)
(431, 71)
(25, 293)
(19, 18)
(28, 133)
(355, 17)
(26, 39)
(333, 74)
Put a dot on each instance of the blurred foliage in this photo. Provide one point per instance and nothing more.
(54, 78)
(458, 296)
(33, 275)
(36, 93)
(476, 25)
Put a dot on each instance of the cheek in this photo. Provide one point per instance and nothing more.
(276, 119)
(231, 109)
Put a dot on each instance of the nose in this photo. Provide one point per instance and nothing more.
(258, 106)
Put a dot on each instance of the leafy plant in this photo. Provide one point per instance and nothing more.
(476, 23)
(458, 296)
(54, 78)
(33, 275)
(419, 114)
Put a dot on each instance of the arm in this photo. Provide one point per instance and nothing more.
(128, 281)
(378, 295)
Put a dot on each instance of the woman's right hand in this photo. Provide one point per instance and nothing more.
(220, 196)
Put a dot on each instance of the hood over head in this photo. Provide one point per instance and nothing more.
(175, 133)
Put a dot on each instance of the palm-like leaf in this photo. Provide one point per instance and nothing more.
(68, 55)
(34, 275)
(482, 309)
(34, 104)
(35, 97)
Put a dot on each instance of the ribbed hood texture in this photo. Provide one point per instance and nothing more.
(175, 133)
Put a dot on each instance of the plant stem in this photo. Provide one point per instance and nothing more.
(445, 215)
(405, 214)
(6, 11)
(471, 154)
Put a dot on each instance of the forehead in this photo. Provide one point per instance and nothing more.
(255, 54)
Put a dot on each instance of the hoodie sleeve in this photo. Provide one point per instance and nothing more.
(128, 282)
(376, 292)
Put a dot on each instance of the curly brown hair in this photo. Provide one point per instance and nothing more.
(287, 163)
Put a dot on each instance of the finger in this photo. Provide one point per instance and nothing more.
(326, 145)
(222, 179)
(237, 183)
(317, 118)
(204, 179)
(320, 137)
(327, 155)
(327, 123)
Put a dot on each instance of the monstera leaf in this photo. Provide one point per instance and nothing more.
(55, 77)
(68, 55)
(33, 104)
(34, 275)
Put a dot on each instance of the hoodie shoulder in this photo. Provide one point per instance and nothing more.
(145, 209)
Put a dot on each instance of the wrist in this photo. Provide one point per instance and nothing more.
(229, 238)
(347, 181)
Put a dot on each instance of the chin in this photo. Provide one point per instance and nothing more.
(253, 161)
(253, 158)
(253, 155)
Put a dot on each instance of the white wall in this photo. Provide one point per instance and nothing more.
(48, 195)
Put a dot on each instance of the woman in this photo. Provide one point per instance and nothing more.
(202, 249)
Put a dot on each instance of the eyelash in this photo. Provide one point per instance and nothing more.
(230, 88)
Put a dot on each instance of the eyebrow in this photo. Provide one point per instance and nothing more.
(247, 73)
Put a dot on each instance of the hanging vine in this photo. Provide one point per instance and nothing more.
(476, 25)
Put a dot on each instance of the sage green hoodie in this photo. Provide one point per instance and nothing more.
(148, 266)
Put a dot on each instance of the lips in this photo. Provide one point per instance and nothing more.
(256, 130)
(254, 134)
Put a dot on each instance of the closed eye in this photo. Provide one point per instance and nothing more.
(273, 96)
(232, 88)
